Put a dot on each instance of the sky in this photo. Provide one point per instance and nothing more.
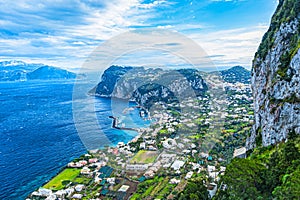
(64, 33)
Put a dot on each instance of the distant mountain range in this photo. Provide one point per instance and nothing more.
(21, 71)
(47, 72)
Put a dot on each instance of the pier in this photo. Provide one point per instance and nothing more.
(115, 125)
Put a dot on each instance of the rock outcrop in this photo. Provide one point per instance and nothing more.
(147, 86)
(276, 78)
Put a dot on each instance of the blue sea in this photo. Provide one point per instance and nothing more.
(38, 135)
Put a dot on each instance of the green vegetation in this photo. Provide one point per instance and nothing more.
(158, 187)
(251, 112)
(287, 57)
(196, 137)
(243, 179)
(286, 11)
(292, 99)
(194, 190)
(157, 191)
(237, 126)
(290, 187)
(59, 181)
(81, 180)
(279, 102)
(258, 139)
(163, 132)
(165, 190)
(269, 173)
(144, 156)
(285, 61)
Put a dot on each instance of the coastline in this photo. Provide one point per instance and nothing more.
(147, 154)
(139, 132)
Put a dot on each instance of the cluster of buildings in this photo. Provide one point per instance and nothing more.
(178, 157)
(72, 192)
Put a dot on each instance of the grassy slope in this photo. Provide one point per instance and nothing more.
(65, 175)
(144, 156)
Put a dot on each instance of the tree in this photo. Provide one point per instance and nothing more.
(290, 153)
(273, 173)
(243, 179)
(262, 176)
(194, 190)
(290, 189)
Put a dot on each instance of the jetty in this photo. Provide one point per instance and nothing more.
(115, 125)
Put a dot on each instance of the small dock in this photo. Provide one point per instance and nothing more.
(115, 125)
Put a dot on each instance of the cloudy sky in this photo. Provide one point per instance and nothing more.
(65, 32)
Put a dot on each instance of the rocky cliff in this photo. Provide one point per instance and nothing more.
(147, 86)
(276, 78)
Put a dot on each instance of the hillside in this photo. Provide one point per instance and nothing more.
(269, 173)
(147, 86)
(236, 74)
(272, 170)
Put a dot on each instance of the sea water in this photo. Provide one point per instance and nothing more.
(38, 135)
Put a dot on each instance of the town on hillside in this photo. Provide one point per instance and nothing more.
(162, 159)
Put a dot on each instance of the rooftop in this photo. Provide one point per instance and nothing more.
(177, 164)
(240, 151)
(124, 188)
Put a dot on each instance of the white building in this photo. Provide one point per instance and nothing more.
(177, 165)
(212, 189)
(124, 188)
(143, 145)
(85, 170)
(240, 153)
(174, 181)
(189, 175)
(111, 181)
(212, 171)
(79, 187)
(136, 167)
(77, 196)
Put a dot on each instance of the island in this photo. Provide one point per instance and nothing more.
(171, 154)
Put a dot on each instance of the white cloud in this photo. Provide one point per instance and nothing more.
(225, 0)
(66, 32)
(229, 47)
(224, 48)
(66, 29)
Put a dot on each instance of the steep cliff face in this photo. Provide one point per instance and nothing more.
(147, 86)
(276, 78)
